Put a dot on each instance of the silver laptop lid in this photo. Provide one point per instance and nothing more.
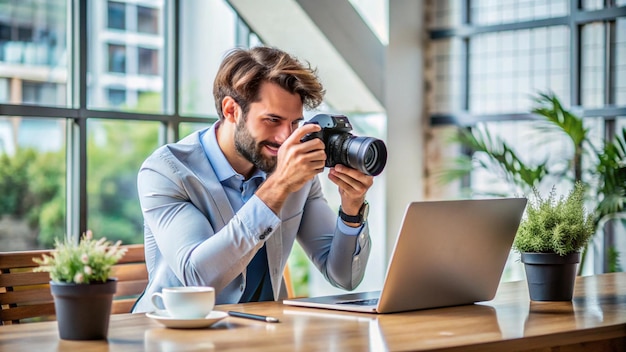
(450, 253)
(447, 253)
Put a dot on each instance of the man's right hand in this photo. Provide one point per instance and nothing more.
(297, 163)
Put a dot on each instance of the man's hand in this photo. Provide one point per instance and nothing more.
(296, 164)
(353, 186)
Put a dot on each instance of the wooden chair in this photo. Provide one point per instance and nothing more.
(132, 278)
(25, 295)
(287, 277)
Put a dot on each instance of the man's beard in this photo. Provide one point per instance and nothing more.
(248, 147)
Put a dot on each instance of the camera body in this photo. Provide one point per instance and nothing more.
(366, 154)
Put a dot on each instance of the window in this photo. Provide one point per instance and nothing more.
(116, 15)
(209, 39)
(117, 58)
(485, 12)
(4, 90)
(147, 20)
(40, 93)
(592, 75)
(447, 75)
(618, 45)
(490, 58)
(5, 32)
(117, 97)
(124, 116)
(24, 33)
(33, 49)
(117, 149)
(505, 67)
(32, 182)
(148, 61)
(592, 4)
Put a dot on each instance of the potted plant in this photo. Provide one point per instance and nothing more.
(81, 285)
(550, 239)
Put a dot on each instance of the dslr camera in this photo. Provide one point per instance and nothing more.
(366, 154)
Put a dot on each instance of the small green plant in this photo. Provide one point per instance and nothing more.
(89, 261)
(555, 225)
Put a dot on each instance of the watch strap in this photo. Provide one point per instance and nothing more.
(354, 219)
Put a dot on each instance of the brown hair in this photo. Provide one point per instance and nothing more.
(243, 70)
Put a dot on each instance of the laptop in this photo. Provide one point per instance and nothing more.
(447, 253)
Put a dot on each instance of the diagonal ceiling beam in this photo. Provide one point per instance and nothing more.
(352, 38)
(330, 35)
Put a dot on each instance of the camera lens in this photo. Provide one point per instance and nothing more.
(371, 155)
(366, 154)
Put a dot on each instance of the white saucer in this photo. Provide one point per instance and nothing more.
(163, 317)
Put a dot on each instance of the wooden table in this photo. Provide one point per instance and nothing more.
(594, 320)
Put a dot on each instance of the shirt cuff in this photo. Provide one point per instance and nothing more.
(258, 217)
(348, 230)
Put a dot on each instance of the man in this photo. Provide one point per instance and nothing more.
(223, 206)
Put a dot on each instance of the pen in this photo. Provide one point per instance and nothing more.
(253, 316)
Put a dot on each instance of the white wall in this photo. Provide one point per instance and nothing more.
(404, 100)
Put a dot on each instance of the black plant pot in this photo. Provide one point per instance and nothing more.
(550, 277)
(83, 310)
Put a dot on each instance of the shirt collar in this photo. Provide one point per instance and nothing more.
(223, 170)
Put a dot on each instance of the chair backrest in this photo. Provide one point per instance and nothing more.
(132, 278)
(25, 294)
(288, 283)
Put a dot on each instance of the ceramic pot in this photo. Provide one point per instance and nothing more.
(550, 277)
(83, 310)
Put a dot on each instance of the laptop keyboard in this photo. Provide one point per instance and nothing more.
(362, 302)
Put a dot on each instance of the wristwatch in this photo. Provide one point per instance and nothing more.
(360, 218)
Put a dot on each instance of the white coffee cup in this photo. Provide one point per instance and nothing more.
(186, 302)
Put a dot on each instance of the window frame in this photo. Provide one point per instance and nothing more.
(77, 111)
(575, 20)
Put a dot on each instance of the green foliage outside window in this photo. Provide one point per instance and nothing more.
(14, 182)
(32, 182)
(114, 158)
(114, 210)
(32, 187)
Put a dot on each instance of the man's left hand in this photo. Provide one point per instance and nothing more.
(353, 186)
